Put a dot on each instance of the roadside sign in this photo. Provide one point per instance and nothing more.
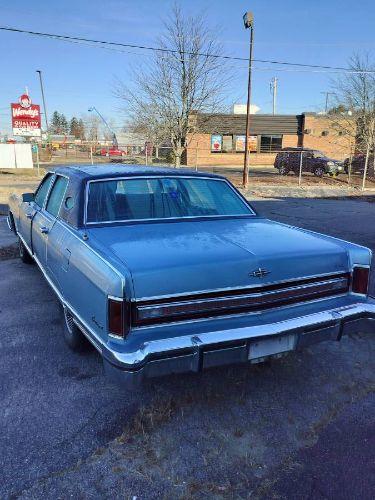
(26, 118)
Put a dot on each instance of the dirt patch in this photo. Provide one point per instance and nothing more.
(10, 252)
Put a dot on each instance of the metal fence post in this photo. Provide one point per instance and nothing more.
(37, 160)
(91, 158)
(300, 169)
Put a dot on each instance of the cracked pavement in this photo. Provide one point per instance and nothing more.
(298, 427)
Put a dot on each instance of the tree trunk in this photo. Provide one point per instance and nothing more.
(366, 167)
(177, 151)
(157, 152)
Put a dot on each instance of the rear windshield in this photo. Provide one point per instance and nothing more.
(162, 198)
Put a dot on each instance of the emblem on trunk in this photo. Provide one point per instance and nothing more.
(260, 273)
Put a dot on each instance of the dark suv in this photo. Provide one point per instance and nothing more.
(288, 160)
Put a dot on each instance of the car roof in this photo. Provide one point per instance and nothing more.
(103, 171)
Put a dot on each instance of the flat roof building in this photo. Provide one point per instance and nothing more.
(219, 139)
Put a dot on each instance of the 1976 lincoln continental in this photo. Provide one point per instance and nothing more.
(167, 271)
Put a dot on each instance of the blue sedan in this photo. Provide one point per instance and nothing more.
(169, 271)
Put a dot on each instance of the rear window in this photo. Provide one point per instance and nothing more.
(162, 198)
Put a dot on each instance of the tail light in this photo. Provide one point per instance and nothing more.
(116, 317)
(360, 279)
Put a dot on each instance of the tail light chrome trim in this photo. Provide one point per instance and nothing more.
(237, 301)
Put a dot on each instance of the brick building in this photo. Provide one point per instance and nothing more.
(219, 139)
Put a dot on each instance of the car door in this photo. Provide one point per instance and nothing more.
(308, 161)
(28, 210)
(46, 217)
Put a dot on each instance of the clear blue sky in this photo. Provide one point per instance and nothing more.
(76, 77)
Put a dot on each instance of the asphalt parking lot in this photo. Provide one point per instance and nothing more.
(299, 427)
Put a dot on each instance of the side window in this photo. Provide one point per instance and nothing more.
(43, 190)
(56, 196)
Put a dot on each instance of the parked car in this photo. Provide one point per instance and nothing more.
(109, 152)
(288, 160)
(165, 271)
(358, 164)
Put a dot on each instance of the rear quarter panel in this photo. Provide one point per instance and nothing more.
(85, 278)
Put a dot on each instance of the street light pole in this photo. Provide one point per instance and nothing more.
(114, 138)
(248, 20)
(43, 98)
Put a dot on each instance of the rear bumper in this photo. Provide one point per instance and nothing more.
(252, 344)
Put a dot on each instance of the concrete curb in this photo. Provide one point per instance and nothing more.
(308, 192)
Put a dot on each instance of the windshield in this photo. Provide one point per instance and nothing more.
(318, 154)
(162, 198)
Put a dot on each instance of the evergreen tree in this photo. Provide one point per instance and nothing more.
(56, 123)
(81, 128)
(64, 127)
(74, 128)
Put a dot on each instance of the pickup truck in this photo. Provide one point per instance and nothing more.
(169, 271)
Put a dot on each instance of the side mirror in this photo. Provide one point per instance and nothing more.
(27, 197)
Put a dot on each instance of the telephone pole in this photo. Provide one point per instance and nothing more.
(248, 20)
(327, 94)
(273, 87)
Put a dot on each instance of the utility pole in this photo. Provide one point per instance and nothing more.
(327, 94)
(43, 98)
(273, 87)
(248, 20)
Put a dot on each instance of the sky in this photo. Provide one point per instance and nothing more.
(76, 77)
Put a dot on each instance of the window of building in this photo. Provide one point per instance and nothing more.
(216, 143)
(270, 143)
(227, 143)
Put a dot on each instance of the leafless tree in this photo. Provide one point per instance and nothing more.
(92, 127)
(355, 92)
(183, 78)
(147, 123)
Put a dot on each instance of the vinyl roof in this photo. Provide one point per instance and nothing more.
(103, 171)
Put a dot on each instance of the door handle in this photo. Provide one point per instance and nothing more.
(29, 216)
(44, 230)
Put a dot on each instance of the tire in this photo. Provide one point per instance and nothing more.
(319, 171)
(283, 170)
(72, 334)
(24, 253)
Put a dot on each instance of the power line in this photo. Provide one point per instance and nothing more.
(77, 39)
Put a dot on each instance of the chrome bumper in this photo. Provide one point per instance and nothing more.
(252, 344)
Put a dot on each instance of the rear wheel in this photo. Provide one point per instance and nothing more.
(24, 253)
(319, 171)
(283, 170)
(72, 334)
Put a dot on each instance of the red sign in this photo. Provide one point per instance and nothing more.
(26, 119)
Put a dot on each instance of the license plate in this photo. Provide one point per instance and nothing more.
(268, 347)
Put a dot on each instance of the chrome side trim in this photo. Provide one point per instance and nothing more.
(9, 225)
